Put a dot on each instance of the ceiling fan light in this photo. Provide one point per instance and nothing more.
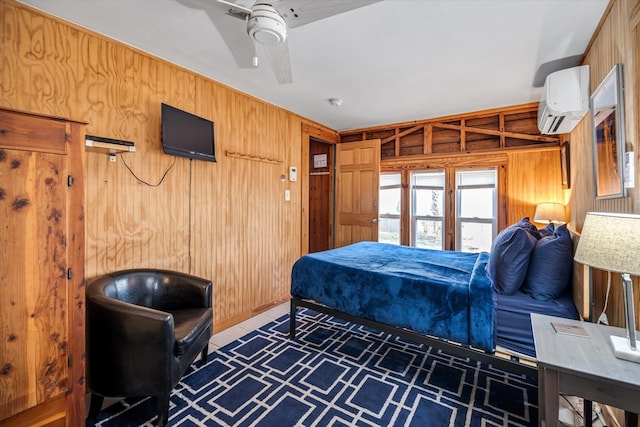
(266, 26)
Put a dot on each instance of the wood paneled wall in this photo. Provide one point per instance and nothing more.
(227, 221)
(533, 176)
(616, 41)
(531, 160)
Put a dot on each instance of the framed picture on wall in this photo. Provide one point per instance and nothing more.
(565, 168)
(607, 118)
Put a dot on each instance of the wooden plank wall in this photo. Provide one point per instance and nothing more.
(497, 129)
(227, 221)
(508, 138)
(533, 176)
(616, 41)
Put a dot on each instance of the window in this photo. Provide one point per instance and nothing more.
(453, 208)
(390, 207)
(476, 216)
(427, 209)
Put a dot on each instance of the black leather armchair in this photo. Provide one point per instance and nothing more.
(144, 328)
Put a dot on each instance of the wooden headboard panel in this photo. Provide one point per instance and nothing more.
(581, 283)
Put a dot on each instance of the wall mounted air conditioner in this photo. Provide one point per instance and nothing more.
(565, 100)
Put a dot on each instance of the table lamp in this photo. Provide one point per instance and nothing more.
(550, 212)
(610, 242)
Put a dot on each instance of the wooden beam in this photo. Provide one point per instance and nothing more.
(444, 161)
(503, 138)
(523, 108)
(539, 138)
(428, 139)
(399, 135)
(396, 144)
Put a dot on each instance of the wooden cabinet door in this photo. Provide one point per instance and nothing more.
(37, 245)
(357, 189)
(33, 295)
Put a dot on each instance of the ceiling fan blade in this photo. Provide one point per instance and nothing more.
(279, 59)
(236, 6)
(233, 33)
(235, 37)
(300, 12)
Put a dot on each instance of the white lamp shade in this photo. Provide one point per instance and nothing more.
(610, 242)
(549, 211)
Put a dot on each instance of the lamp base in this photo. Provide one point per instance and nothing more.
(622, 349)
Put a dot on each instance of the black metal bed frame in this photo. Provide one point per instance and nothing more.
(505, 362)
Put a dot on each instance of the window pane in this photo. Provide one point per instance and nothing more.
(389, 208)
(476, 177)
(428, 234)
(428, 193)
(476, 237)
(389, 230)
(428, 203)
(389, 194)
(427, 209)
(476, 219)
(477, 203)
(428, 179)
(389, 201)
(387, 179)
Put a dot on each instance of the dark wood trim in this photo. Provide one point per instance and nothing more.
(307, 132)
(76, 153)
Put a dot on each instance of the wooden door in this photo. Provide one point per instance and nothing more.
(41, 249)
(357, 189)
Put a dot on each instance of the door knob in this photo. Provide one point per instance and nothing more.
(374, 220)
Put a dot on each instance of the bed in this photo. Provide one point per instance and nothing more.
(450, 300)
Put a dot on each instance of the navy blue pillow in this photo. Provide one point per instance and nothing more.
(547, 231)
(509, 258)
(550, 266)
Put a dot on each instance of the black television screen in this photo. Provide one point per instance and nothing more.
(187, 135)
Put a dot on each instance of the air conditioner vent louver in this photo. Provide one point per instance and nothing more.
(565, 100)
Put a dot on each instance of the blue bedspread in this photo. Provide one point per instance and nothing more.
(441, 293)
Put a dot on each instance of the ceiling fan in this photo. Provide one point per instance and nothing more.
(267, 24)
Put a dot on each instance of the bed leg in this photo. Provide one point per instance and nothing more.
(292, 321)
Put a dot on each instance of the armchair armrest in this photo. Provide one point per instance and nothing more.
(144, 328)
(178, 291)
(115, 325)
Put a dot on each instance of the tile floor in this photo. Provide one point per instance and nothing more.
(222, 338)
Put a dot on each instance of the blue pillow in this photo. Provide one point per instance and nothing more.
(550, 266)
(547, 231)
(529, 226)
(509, 258)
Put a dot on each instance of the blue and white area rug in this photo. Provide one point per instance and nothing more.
(336, 374)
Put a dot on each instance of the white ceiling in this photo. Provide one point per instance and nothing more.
(390, 61)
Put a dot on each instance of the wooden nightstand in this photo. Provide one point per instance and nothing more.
(583, 366)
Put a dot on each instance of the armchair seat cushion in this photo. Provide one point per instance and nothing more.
(190, 324)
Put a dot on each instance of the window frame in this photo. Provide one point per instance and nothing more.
(391, 216)
(413, 220)
(459, 219)
(449, 164)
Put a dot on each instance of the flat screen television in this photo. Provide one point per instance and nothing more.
(187, 135)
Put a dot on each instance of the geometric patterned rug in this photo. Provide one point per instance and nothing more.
(336, 373)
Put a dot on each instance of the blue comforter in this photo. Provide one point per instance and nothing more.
(441, 293)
